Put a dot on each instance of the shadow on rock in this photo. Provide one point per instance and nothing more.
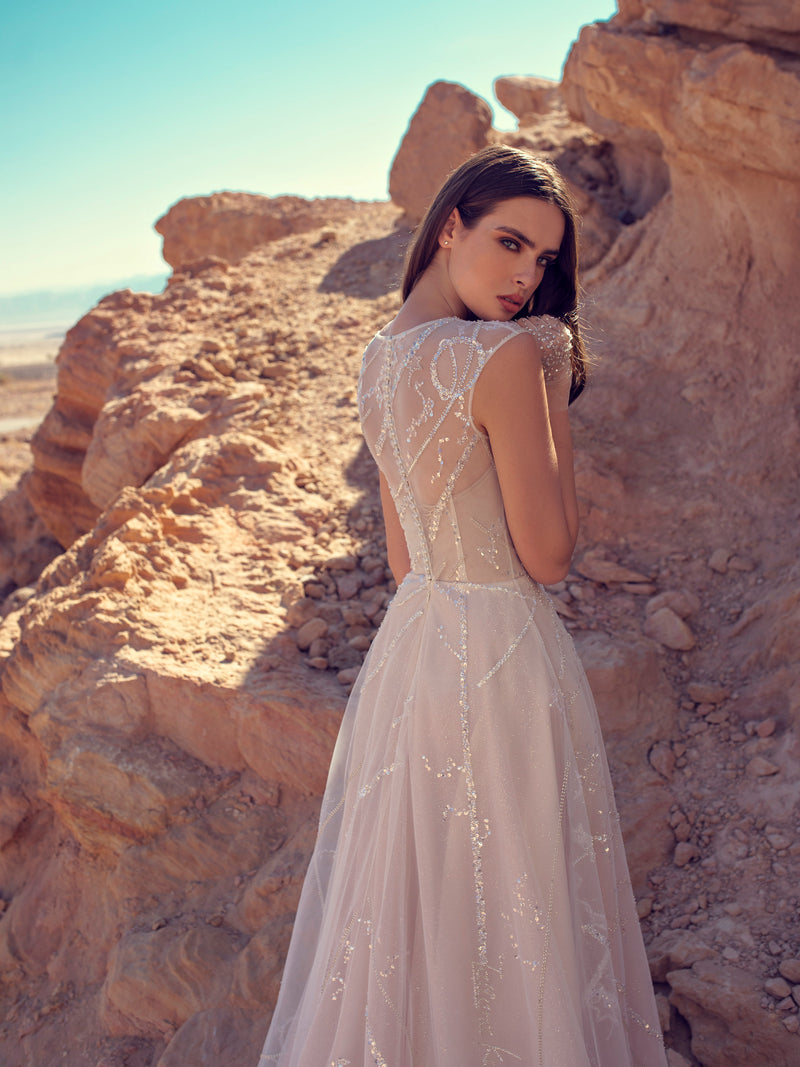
(370, 269)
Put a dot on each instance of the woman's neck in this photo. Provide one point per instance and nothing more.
(432, 297)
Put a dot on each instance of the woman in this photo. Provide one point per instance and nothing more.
(468, 902)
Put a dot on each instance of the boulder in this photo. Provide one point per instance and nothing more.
(229, 225)
(450, 125)
(527, 97)
(722, 1005)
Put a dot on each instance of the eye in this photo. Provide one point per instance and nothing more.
(510, 244)
(545, 261)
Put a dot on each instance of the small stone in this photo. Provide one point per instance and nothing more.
(707, 693)
(741, 563)
(644, 907)
(310, 631)
(223, 364)
(605, 571)
(717, 716)
(360, 643)
(796, 994)
(685, 852)
(341, 563)
(760, 767)
(787, 1004)
(790, 970)
(718, 560)
(348, 675)
(669, 629)
(301, 611)
(680, 922)
(792, 1023)
(348, 585)
(682, 831)
(319, 663)
(315, 590)
(662, 759)
(730, 954)
(564, 609)
(343, 656)
(779, 841)
(319, 647)
(777, 988)
(766, 728)
(681, 601)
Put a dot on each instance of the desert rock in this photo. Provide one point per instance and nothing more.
(450, 124)
(527, 97)
(718, 1000)
(229, 225)
(669, 629)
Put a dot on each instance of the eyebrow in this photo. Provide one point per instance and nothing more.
(525, 240)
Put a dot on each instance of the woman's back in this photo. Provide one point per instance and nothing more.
(415, 397)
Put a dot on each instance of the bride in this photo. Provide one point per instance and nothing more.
(468, 901)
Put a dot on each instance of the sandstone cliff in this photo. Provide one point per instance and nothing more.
(171, 688)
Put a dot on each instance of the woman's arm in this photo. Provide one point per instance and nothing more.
(533, 455)
(396, 547)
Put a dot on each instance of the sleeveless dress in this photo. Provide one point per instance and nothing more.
(468, 902)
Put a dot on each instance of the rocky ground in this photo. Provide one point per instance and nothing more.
(172, 681)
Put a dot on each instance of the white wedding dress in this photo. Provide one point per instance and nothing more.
(468, 902)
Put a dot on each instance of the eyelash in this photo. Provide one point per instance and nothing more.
(513, 246)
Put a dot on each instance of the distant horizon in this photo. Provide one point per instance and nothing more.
(119, 112)
(38, 310)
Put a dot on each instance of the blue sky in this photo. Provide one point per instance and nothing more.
(112, 112)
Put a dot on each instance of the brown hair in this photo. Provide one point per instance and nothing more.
(500, 173)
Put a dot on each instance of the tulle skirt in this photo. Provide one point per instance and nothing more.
(468, 901)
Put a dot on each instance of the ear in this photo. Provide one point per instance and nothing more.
(447, 231)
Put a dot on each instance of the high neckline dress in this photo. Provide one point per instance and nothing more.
(468, 902)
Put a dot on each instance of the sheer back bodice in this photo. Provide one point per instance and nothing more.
(415, 397)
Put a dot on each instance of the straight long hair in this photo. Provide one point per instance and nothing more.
(492, 175)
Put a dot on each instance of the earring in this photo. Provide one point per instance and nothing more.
(445, 243)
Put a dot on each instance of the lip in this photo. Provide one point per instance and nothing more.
(510, 303)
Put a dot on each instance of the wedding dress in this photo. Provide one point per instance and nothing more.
(468, 902)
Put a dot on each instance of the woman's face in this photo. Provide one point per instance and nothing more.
(495, 267)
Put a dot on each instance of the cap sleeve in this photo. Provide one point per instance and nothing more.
(556, 341)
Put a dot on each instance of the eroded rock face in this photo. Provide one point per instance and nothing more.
(677, 94)
(164, 744)
(770, 23)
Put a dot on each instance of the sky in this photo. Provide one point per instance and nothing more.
(109, 113)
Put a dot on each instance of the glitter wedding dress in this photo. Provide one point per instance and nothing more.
(468, 902)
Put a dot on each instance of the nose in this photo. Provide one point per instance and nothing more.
(529, 275)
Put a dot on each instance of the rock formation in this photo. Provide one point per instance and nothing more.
(450, 125)
(171, 687)
(230, 225)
